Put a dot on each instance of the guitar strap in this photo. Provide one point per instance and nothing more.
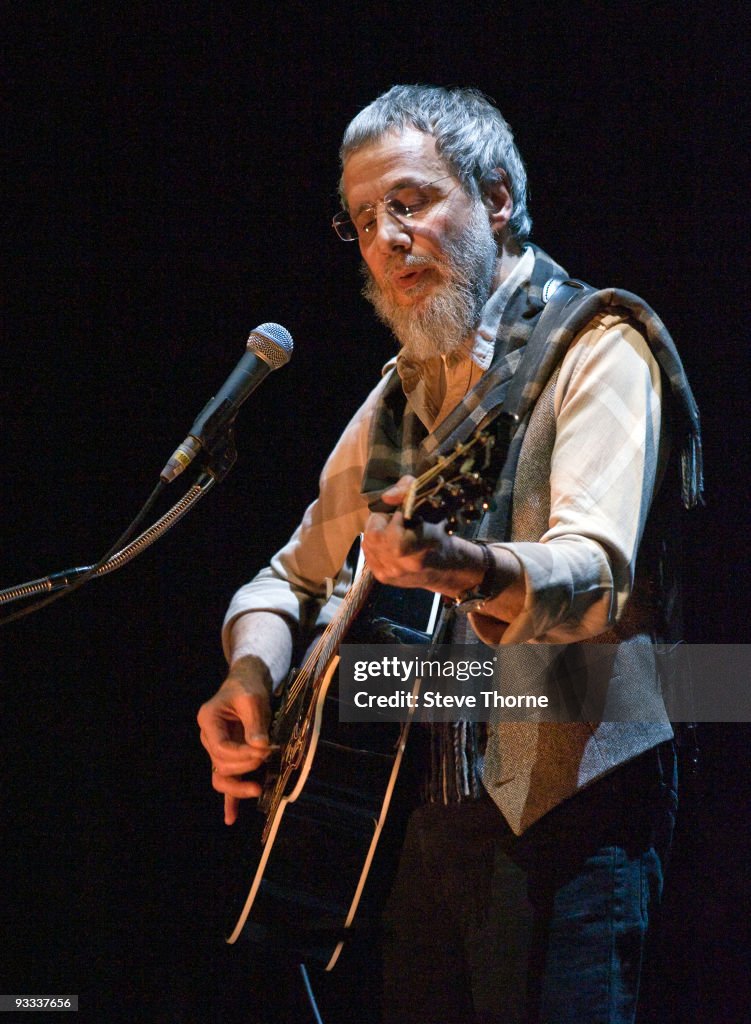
(453, 772)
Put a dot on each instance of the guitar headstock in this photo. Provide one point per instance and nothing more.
(459, 487)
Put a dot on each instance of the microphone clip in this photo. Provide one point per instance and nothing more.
(223, 455)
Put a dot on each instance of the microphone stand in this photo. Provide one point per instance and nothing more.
(215, 465)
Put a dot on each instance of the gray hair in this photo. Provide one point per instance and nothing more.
(470, 132)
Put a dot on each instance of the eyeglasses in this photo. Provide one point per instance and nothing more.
(406, 202)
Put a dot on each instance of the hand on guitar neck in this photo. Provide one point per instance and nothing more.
(406, 553)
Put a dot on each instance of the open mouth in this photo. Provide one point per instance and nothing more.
(408, 279)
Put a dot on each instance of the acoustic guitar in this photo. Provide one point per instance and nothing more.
(328, 785)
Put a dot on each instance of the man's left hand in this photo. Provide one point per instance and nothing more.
(419, 555)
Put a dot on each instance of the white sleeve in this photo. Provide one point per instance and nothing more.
(295, 583)
(579, 575)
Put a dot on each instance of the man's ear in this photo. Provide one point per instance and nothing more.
(497, 199)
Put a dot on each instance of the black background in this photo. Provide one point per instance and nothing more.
(172, 174)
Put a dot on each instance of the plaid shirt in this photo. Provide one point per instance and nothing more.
(579, 574)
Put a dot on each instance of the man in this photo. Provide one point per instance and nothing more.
(525, 898)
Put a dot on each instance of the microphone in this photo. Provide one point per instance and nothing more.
(269, 348)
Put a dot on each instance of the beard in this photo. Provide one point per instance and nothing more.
(438, 322)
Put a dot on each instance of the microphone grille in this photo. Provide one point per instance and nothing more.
(273, 343)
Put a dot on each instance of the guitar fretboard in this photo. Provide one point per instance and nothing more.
(331, 638)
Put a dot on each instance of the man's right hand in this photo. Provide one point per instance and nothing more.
(234, 730)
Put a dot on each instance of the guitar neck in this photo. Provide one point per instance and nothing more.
(337, 629)
(330, 640)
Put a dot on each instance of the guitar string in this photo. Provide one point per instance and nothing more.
(330, 637)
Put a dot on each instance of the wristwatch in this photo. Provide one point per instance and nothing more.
(473, 599)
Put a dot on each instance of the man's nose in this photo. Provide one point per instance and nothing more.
(391, 232)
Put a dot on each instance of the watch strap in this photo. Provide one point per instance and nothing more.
(470, 600)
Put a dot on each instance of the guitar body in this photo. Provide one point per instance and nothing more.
(307, 877)
(320, 846)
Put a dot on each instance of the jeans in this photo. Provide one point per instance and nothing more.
(485, 927)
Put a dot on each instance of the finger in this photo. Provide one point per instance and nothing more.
(216, 725)
(231, 809)
(407, 538)
(257, 739)
(254, 715)
(384, 547)
(246, 721)
(383, 529)
(238, 766)
(395, 495)
(372, 554)
(261, 742)
(230, 785)
(377, 522)
(237, 758)
(258, 744)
